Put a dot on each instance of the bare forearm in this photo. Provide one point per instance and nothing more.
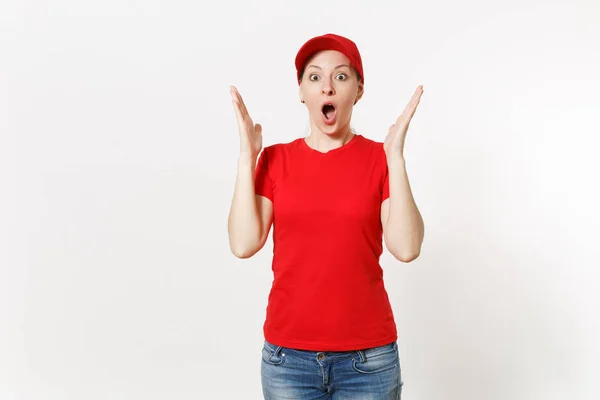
(404, 226)
(244, 221)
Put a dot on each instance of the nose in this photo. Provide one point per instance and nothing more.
(327, 87)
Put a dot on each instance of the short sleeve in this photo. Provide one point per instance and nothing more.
(386, 185)
(263, 185)
(385, 192)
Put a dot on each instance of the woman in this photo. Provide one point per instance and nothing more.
(330, 331)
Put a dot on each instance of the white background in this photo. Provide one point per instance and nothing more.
(118, 158)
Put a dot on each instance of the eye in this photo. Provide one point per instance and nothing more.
(342, 74)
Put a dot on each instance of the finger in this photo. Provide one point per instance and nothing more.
(244, 106)
(409, 115)
(412, 105)
(237, 98)
(415, 104)
(417, 94)
(238, 113)
(415, 98)
(407, 108)
(241, 101)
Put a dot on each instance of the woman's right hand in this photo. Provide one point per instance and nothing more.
(250, 133)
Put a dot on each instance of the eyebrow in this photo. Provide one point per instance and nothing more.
(341, 65)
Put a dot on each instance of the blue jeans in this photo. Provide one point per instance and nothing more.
(366, 374)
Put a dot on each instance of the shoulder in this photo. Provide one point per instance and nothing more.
(281, 145)
(278, 149)
(277, 155)
(375, 157)
(372, 143)
(372, 150)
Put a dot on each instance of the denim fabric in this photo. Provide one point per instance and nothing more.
(366, 374)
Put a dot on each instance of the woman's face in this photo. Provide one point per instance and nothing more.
(330, 78)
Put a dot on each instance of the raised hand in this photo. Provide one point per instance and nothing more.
(250, 133)
(394, 141)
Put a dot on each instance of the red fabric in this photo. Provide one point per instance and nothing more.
(329, 41)
(328, 291)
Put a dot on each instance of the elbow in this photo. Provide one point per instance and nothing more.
(236, 247)
(240, 245)
(242, 254)
(244, 249)
(407, 252)
(404, 256)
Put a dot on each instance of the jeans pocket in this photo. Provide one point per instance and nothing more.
(377, 359)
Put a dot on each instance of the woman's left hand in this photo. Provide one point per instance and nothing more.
(394, 141)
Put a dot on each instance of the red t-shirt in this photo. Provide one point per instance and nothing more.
(328, 291)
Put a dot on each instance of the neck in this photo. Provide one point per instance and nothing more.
(324, 142)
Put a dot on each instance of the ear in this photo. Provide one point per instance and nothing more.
(360, 92)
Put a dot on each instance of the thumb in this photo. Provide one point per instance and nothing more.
(258, 128)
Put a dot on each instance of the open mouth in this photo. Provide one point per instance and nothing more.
(328, 111)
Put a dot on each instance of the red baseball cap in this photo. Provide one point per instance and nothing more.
(329, 41)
